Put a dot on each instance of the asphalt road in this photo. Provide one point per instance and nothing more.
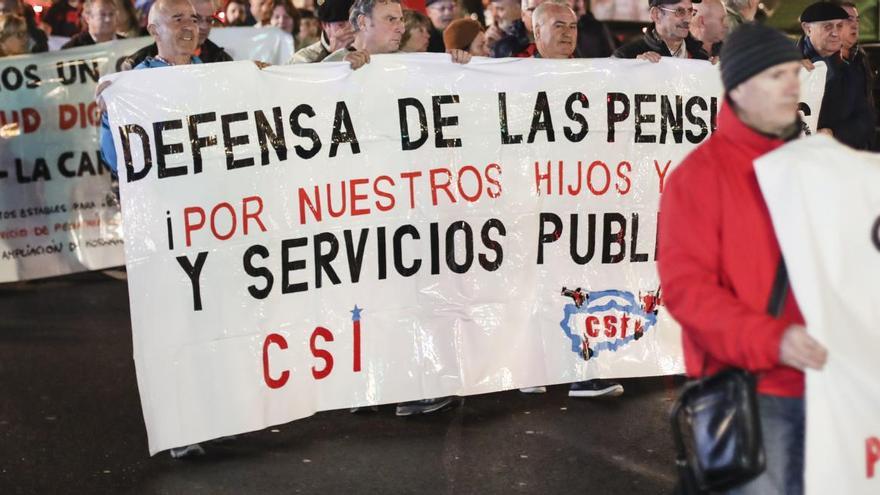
(71, 422)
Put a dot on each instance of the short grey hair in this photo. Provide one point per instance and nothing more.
(736, 5)
(364, 7)
(541, 10)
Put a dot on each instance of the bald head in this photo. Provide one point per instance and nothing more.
(174, 26)
(710, 22)
(555, 28)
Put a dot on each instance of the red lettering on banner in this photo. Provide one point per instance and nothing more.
(355, 197)
(28, 119)
(435, 185)
(194, 218)
(662, 174)
(872, 455)
(592, 326)
(273, 338)
(327, 335)
(82, 115)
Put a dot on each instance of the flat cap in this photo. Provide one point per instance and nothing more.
(823, 11)
(334, 10)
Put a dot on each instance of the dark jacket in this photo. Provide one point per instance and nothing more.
(82, 39)
(713, 213)
(594, 40)
(63, 18)
(846, 108)
(514, 43)
(38, 42)
(209, 54)
(651, 42)
(435, 41)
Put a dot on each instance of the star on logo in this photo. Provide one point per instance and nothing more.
(356, 313)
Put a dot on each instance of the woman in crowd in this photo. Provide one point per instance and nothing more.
(467, 35)
(285, 17)
(417, 32)
(235, 13)
(13, 35)
(128, 22)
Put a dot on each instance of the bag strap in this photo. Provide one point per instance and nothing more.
(779, 290)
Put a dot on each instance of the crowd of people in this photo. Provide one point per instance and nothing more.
(718, 295)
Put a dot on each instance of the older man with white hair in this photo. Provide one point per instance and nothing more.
(709, 25)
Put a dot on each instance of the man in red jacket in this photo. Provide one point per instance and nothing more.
(718, 253)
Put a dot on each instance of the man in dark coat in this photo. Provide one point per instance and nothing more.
(846, 111)
(38, 42)
(857, 58)
(100, 17)
(668, 36)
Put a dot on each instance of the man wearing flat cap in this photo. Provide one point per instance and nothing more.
(714, 213)
(668, 36)
(846, 109)
(337, 32)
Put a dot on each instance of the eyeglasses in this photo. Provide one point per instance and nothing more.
(680, 12)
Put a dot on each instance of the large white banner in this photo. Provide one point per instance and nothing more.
(412, 229)
(825, 202)
(57, 213)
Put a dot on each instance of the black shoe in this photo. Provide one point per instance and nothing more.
(595, 388)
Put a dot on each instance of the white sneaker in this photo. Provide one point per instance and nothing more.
(534, 390)
(187, 451)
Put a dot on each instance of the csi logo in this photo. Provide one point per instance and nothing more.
(607, 320)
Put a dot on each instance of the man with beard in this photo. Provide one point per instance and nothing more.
(713, 213)
(337, 32)
(846, 112)
(100, 17)
(709, 26)
(207, 51)
(519, 40)
(441, 13)
(668, 36)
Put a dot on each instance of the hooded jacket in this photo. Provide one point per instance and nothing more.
(718, 256)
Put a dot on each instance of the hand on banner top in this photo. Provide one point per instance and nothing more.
(260, 64)
(459, 56)
(799, 350)
(714, 60)
(357, 59)
(808, 64)
(652, 57)
(826, 131)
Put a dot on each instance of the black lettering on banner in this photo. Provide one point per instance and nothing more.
(615, 117)
(230, 141)
(435, 248)
(541, 119)
(343, 131)
(634, 255)
(699, 102)
(261, 271)
(875, 234)
(30, 72)
(548, 237)
(194, 271)
(62, 164)
(406, 271)
(644, 118)
(170, 149)
(506, 137)
(803, 107)
(380, 249)
(576, 137)
(309, 133)
(591, 241)
(288, 266)
(355, 257)
(668, 118)
(451, 262)
(124, 136)
(615, 237)
(406, 143)
(492, 244)
(440, 122)
(323, 260)
(276, 137)
(198, 142)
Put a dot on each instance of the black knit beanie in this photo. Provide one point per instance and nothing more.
(750, 49)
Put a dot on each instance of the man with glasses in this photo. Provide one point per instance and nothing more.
(100, 17)
(207, 51)
(668, 36)
(846, 111)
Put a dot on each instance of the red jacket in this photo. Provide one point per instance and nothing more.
(718, 257)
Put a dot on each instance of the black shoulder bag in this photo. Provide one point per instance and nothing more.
(716, 426)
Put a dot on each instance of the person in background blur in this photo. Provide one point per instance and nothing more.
(441, 13)
(261, 12)
(337, 32)
(505, 14)
(100, 17)
(128, 23)
(13, 35)
(235, 13)
(709, 25)
(285, 17)
(63, 18)
(37, 40)
(467, 35)
(309, 28)
(417, 32)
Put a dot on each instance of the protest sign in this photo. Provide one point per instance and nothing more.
(57, 212)
(412, 229)
(825, 203)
